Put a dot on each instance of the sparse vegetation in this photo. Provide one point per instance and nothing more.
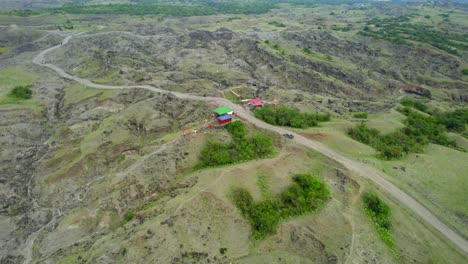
(285, 116)
(276, 47)
(277, 24)
(306, 194)
(316, 55)
(379, 212)
(399, 31)
(241, 148)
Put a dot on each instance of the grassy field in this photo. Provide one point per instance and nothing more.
(436, 178)
(16, 76)
(76, 93)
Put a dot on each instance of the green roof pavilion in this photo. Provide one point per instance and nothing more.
(222, 110)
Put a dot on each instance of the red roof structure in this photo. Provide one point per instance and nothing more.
(256, 102)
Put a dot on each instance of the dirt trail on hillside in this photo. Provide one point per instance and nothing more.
(355, 166)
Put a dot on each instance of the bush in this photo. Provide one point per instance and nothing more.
(409, 102)
(362, 115)
(364, 134)
(21, 93)
(380, 215)
(236, 129)
(306, 194)
(285, 116)
(242, 199)
(455, 121)
(465, 71)
(129, 216)
(241, 148)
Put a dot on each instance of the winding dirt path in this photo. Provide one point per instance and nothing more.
(360, 168)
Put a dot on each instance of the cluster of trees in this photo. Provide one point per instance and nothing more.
(409, 102)
(174, 8)
(399, 31)
(380, 214)
(454, 121)
(177, 8)
(241, 148)
(20, 93)
(419, 131)
(306, 194)
(285, 116)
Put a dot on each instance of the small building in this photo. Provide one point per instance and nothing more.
(257, 102)
(224, 119)
(224, 110)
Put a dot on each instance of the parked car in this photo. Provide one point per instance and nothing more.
(290, 136)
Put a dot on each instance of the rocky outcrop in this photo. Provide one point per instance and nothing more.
(413, 89)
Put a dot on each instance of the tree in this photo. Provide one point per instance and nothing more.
(20, 92)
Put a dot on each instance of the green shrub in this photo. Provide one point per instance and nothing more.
(306, 194)
(236, 129)
(455, 121)
(285, 116)
(277, 24)
(129, 216)
(364, 134)
(362, 115)
(241, 148)
(465, 71)
(20, 93)
(379, 212)
(242, 199)
(409, 102)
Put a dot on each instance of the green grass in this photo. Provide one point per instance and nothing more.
(16, 77)
(77, 92)
(436, 178)
(276, 47)
(362, 115)
(264, 186)
(315, 55)
(4, 49)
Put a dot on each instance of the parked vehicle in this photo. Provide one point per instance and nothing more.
(290, 136)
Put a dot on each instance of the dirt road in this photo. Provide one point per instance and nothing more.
(355, 166)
